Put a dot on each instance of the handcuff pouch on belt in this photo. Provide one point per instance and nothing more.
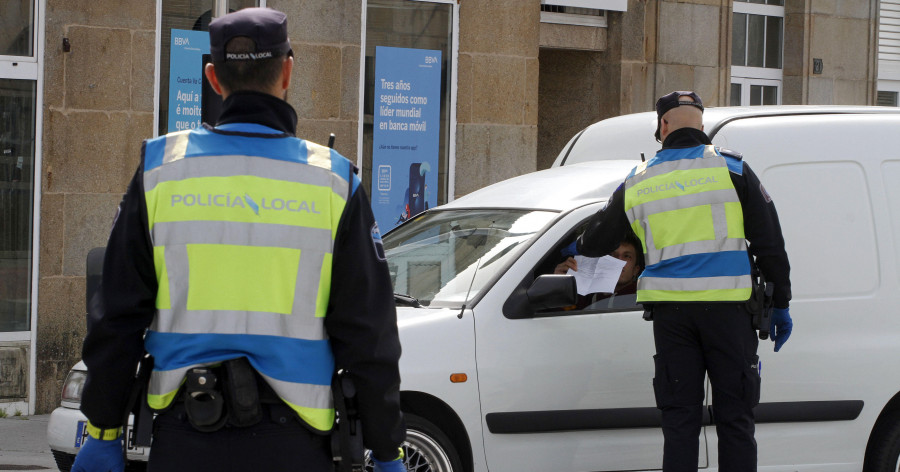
(214, 397)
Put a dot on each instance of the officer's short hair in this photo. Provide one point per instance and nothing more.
(259, 75)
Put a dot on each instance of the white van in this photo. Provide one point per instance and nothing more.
(498, 376)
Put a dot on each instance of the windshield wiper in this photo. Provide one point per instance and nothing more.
(407, 300)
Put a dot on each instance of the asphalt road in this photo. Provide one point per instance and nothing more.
(23, 444)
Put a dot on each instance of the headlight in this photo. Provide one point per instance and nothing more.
(74, 384)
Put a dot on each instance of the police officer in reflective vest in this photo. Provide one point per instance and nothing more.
(247, 262)
(695, 207)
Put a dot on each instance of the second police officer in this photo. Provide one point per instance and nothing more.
(694, 207)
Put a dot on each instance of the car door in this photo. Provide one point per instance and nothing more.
(568, 391)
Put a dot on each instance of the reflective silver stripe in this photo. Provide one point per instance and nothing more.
(240, 322)
(694, 247)
(720, 221)
(300, 394)
(237, 165)
(176, 145)
(318, 155)
(301, 320)
(679, 164)
(241, 234)
(694, 284)
(680, 202)
(306, 290)
(305, 395)
(178, 270)
(165, 381)
(340, 187)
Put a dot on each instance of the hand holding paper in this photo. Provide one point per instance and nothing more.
(597, 274)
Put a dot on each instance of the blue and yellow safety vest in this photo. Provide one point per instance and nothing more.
(243, 228)
(684, 208)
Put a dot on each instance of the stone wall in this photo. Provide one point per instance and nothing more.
(325, 36)
(844, 36)
(497, 92)
(98, 106)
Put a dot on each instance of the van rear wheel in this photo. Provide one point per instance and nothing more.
(883, 454)
(426, 449)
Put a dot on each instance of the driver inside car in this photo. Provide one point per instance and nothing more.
(624, 294)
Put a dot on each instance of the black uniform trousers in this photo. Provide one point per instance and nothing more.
(697, 338)
(278, 443)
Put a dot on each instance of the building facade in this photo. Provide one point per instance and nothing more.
(431, 98)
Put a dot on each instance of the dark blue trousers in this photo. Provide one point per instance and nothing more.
(278, 443)
(694, 339)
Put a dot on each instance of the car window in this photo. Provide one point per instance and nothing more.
(623, 299)
(446, 258)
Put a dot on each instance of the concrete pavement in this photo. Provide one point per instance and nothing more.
(23, 444)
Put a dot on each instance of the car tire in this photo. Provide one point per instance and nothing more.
(883, 454)
(426, 449)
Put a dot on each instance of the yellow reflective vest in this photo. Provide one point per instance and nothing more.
(243, 229)
(684, 208)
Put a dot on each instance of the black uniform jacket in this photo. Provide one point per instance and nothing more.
(607, 228)
(361, 321)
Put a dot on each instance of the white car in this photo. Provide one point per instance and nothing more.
(498, 376)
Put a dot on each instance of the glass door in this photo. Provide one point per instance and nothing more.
(18, 117)
(182, 28)
(407, 113)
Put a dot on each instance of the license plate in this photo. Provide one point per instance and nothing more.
(82, 435)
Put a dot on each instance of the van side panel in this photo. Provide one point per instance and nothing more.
(834, 181)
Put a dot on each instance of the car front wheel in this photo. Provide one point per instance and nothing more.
(426, 449)
(883, 454)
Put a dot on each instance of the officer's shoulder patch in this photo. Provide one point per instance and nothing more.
(378, 243)
(766, 196)
(733, 159)
(730, 153)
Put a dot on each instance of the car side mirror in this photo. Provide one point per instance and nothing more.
(552, 291)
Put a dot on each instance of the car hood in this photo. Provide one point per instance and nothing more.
(560, 188)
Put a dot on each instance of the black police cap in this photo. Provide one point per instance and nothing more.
(675, 100)
(265, 26)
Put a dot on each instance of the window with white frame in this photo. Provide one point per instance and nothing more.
(19, 70)
(757, 50)
(888, 53)
(579, 12)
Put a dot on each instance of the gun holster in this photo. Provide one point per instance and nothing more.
(760, 304)
(346, 437)
(142, 427)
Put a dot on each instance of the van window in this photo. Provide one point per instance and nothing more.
(890, 174)
(826, 217)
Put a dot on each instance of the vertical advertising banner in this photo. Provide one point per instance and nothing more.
(406, 133)
(186, 78)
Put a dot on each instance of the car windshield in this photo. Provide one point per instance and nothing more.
(445, 258)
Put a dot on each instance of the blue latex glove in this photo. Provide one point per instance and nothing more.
(570, 250)
(97, 455)
(780, 329)
(395, 465)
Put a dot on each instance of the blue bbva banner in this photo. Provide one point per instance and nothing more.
(186, 78)
(406, 135)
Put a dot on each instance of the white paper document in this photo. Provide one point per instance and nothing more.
(597, 274)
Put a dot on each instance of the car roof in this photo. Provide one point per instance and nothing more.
(633, 134)
(558, 189)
